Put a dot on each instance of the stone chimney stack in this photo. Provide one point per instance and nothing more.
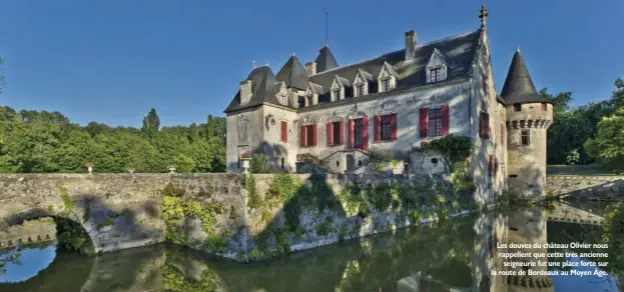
(410, 45)
(311, 67)
(245, 91)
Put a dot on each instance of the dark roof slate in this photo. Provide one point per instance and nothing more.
(458, 52)
(325, 60)
(293, 74)
(518, 87)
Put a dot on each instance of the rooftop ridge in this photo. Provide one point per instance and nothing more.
(396, 51)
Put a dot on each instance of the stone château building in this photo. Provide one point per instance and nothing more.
(339, 115)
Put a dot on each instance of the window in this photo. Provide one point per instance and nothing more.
(434, 123)
(310, 100)
(435, 74)
(336, 94)
(490, 165)
(308, 136)
(301, 101)
(484, 125)
(358, 133)
(385, 127)
(502, 134)
(284, 131)
(282, 162)
(525, 136)
(517, 107)
(336, 131)
(544, 106)
(359, 90)
(385, 85)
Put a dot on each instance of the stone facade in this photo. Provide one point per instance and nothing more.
(120, 211)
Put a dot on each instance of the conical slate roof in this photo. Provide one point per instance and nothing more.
(325, 60)
(518, 86)
(293, 74)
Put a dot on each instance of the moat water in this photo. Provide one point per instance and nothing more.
(452, 255)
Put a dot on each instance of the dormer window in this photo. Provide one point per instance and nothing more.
(336, 94)
(385, 85)
(435, 74)
(436, 67)
(359, 89)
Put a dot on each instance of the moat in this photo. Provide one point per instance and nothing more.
(457, 254)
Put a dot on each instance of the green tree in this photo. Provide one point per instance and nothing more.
(260, 164)
(608, 146)
(151, 124)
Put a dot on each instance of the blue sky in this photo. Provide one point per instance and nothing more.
(111, 61)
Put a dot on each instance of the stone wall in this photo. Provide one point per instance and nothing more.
(587, 187)
(224, 214)
(31, 231)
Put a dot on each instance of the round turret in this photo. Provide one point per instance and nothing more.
(528, 117)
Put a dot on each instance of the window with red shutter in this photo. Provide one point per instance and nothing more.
(393, 127)
(489, 165)
(365, 133)
(313, 130)
(484, 125)
(284, 131)
(544, 106)
(302, 138)
(445, 120)
(376, 125)
(329, 133)
(423, 119)
(351, 134)
(308, 135)
(341, 133)
(502, 133)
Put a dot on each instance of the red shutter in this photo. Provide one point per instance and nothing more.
(329, 134)
(341, 132)
(284, 131)
(313, 135)
(487, 125)
(351, 138)
(376, 124)
(490, 165)
(423, 122)
(365, 133)
(303, 136)
(445, 120)
(393, 126)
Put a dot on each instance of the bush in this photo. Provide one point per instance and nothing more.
(260, 164)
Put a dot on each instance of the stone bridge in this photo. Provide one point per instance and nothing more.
(591, 188)
(118, 211)
(576, 213)
(31, 231)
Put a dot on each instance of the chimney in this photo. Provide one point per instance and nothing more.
(311, 67)
(245, 91)
(410, 45)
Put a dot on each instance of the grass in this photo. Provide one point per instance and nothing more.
(587, 170)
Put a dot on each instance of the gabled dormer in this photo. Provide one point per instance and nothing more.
(437, 67)
(281, 93)
(387, 78)
(361, 83)
(312, 93)
(339, 87)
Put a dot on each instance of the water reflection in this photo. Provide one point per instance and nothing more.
(453, 255)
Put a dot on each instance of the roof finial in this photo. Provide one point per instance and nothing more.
(253, 64)
(518, 49)
(326, 26)
(483, 15)
(266, 62)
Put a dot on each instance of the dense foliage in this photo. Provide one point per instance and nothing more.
(573, 127)
(41, 141)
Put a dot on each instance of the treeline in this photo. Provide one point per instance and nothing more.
(44, 142)
(588, 134)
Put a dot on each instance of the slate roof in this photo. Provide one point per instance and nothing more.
(458, 52)
(293, 74)
(519, 86)
(325, 60)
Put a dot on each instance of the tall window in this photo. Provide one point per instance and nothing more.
(308, 136)
(359, 90)
(336, 133)
(301, 101)
(337, 94)
(385, 128)
(284, 131)
(517, 107)
(435, 74)
(525, 136)
(434, 125)
(484, 125)
(385, 85)
(358, 133)
(544, 106)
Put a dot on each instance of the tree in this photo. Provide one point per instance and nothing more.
(260, 164)
(151, 124)
(560, 101)
(1, 77)
(618, 94)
